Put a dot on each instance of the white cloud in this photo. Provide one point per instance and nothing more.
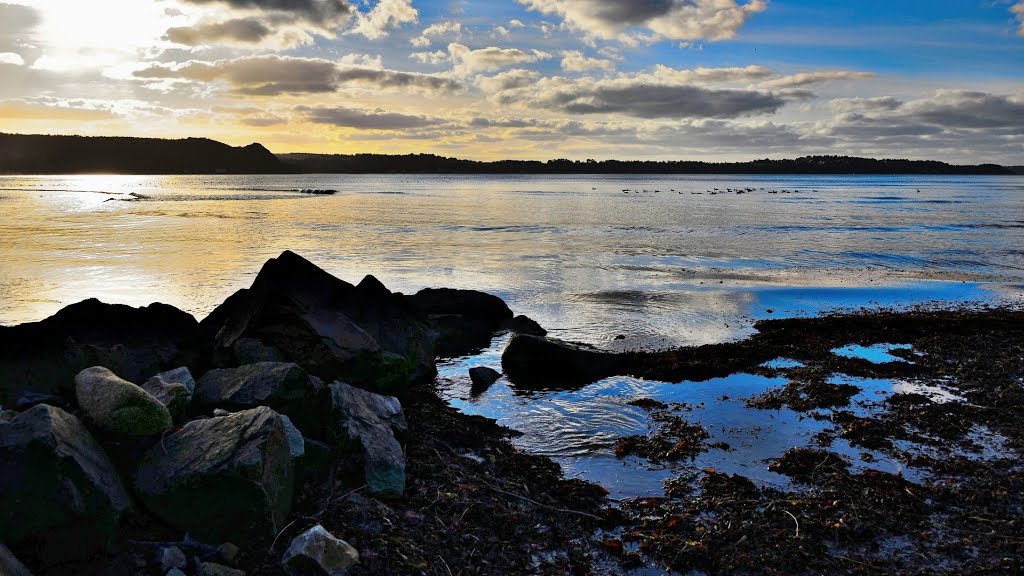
(576, 61)
(1018, 12)
(514, 23)
(450, 29)
(11, 58)
(809, 78)
(507, 80)
(681, 20)
(467, 61)
(387, 14)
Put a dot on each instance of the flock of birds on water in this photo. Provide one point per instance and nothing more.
(714, 191)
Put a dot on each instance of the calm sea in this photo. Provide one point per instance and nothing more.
(659, 264)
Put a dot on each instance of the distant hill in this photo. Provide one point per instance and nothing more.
(1016, 169)
(36, 154)
(429, 163)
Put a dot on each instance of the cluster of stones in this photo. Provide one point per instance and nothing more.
(298, 374)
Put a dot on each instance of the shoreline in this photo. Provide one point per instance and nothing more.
(471, 500)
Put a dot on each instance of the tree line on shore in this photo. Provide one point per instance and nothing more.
(46, 154)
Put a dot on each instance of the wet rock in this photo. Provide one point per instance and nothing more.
(524, 325)
(60, 497)
(463, 321)
(173, 389)
(321, 322)
(251, 351)
(228, 552)
(211, 569)
(366, 425)
(118, 406)
(239, 484)
(175, 572)
(482, 378)
(7, 415)
(534, 361)
(133, 342)
(9, 565)
(172, 557)
(316, 552)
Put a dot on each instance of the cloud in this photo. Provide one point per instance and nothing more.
(576, 61)
(436, 57)
(447, 29)
(16, 24)
(44, 108)
(847, 105)
(1018, 12)
(387, 14)
(702, 75)
(467, 61)
(681, 20)
(514, 23)
(326, 16)
(11, 58)
(365, 119)
(632, 98)
(271, 75)
(811, 78)
(241, 31)
(509, 80)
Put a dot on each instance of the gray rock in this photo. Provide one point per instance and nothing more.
(537, 362)
(296, 443)
(251, 351)
(118, 406)
(366, 424)
(9, 565)
(173, 389)
(59, 493)
(175, 572)
(482, 378)
(285, 387)
(211, 569)
(221, 478)
(316, 552)
(7, 415)
(172, 557)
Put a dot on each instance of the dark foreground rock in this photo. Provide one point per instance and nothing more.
(366, 423)
(224, 478)
(538, 362)
(135, 343)
(482, 378)
(316, 552)
(330, 327)
(285, 387)
(464, 321)
(119, 407)
(60, 498)
(11, 566)
(173, 389)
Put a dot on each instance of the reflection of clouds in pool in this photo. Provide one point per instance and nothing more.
(876, 353)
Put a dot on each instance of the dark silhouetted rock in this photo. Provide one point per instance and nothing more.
(29, 399)
(366, 424)
(285, 387)
(135, 343)
(173, 389)
(482, 378)
(316, 552)
(251, 351)
(119, 407)
(524, 325)
(538, 362)
(330, 327)
(221, 478)
(463, 321)
(9, 565)
(211, 569)
(60, 498)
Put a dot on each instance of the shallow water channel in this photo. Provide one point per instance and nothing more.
(579, 428)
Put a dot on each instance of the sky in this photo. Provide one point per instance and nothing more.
(720, 80)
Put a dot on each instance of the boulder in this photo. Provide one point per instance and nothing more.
(296, 443)
(133, 342)
(285, 387)
(316, 552)
(366, 424)
(171, 557)
(173, 389)
(118, 406)
(9, 565)
(540, 362)
(211, 569)
(251, 351)
(221, 478)
(463, 321)
(29, 399)
(482, 378)
(323, 323)
(524, 325)
(60, 498)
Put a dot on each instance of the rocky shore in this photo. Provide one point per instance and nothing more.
(296, 430)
